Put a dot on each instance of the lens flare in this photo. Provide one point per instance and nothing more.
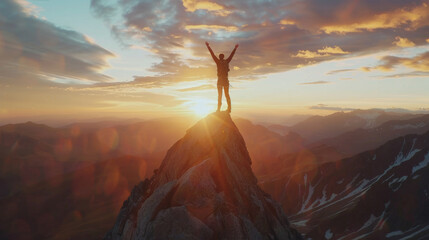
(201, 107)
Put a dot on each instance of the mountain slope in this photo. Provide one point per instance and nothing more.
(378, 194)
(204, 189)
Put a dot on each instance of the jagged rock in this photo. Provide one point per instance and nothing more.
(204, 189)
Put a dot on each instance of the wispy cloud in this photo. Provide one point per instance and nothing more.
(32, 49)
(315, 83)
(198, 88)
(340, 71)
(405, 75)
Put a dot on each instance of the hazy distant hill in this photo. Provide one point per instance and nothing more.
(361, 139)
(319, 127)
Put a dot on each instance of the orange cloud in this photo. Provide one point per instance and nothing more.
(325, 52)
(403, 42)
(332, 50)
(388, 63)
(193, 5)
(415, 17)
(307, 54)
(211, 27)
(287, 22)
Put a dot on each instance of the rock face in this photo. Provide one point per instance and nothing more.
(204, 189)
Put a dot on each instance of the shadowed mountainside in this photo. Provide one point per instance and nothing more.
(204, 189)
(377, 194)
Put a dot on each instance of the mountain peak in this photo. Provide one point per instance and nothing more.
(204, 189)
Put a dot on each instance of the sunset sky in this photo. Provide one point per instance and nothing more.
(147, 59)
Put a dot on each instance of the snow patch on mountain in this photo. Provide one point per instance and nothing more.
(396, 183)
(328, 234)
(422, 164)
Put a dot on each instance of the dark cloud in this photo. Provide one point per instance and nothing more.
(273, 35)
(315, 83)
(32, 49)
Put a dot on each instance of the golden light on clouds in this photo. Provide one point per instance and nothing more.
(403, 42)
(325, 52)
(415, 17)
(332, 50)
(211, 27)
(307, 54)
(193, 5)
(287, 22)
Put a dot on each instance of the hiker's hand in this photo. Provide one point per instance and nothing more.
(236, 45)
(207, 44)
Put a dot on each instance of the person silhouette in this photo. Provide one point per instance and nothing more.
(222, 76)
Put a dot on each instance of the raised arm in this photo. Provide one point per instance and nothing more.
(211, 52)
(232, 54)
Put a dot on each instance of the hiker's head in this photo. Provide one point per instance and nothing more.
(221, 56)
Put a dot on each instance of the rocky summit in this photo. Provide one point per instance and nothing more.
(204, 189)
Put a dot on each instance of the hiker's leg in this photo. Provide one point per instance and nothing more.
(219, 97)
(228, 99)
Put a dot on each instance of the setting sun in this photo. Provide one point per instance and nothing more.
(201, 107)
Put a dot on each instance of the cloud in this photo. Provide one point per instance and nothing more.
(330, 108)
(315, 83)
(308, 54)
(287, 22)
(412, 16)
(120, 92)
(340, 71)
(194, 5)
(211, 27)
(198, 88)
(325, 52)
(286, 34)
(34, 50)
(419, 62)
(332, 50)
(407, 74)
(403, 42)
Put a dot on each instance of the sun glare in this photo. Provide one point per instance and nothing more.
(201, 107)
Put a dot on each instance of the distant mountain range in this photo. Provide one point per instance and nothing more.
(320, 127)
(43, 163)
(362, 139)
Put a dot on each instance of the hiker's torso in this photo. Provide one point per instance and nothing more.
(222, 68)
